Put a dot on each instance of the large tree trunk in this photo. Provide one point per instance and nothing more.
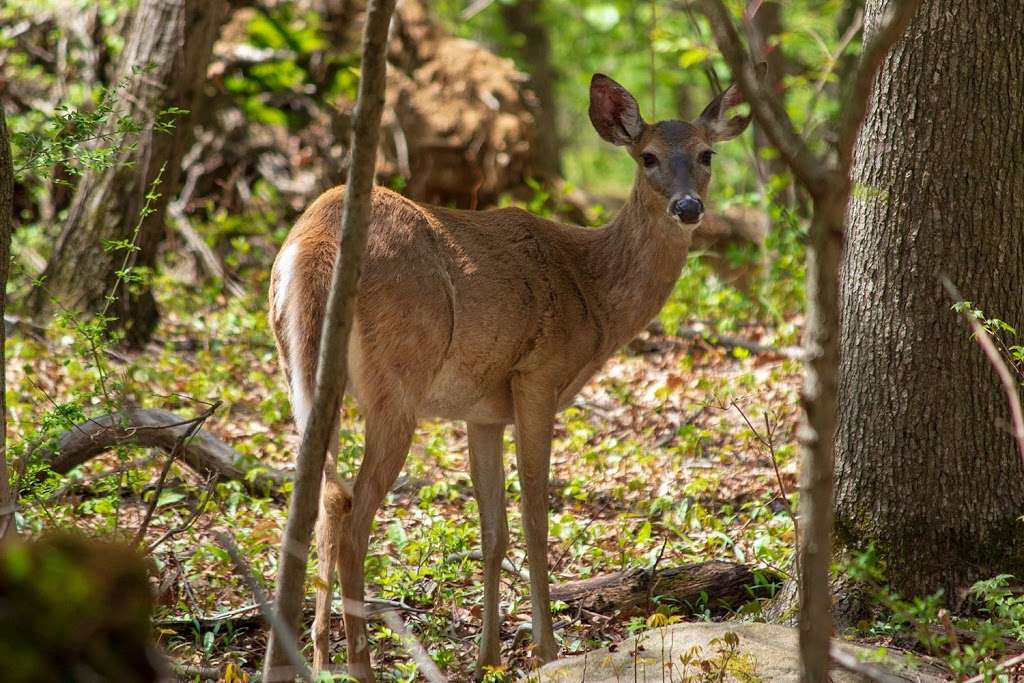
(523, 17)
(926, 467)
(174, 38)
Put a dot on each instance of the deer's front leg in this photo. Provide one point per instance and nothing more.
(535, 406)
(488, 473)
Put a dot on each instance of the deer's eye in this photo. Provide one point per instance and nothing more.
(705, 157)
(649, 159)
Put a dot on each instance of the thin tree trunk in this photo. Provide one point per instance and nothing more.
(165, 59)
(927, 469)
(828, 183)
(332, 362)
(817, 430)
(523, 17)
(7, 525)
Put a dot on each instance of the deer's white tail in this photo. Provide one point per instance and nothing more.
(298, 292)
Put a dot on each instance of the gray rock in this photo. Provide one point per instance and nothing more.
(747, 651)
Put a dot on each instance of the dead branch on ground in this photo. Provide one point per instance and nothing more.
(155, 428)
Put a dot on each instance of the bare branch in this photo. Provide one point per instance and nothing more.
(855, 106)
(1006, 377)
(187, 435)
(426, 665)
(475, 8)
(283, 633)
(872, 672)
(211, 487)
(766, 108)
(767, 440)
(1002, 666)
(8, 504)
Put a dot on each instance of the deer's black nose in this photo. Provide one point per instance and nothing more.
(687, 209)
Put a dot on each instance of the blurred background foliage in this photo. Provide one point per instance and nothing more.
(272, 129)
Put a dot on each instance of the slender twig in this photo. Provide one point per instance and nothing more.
(769, 443)
(577, 536)
(196, 425)
(1010, 385)
(426, 665)
(285, 637)
(709, 69)
(1002, 666)
(855, 104)
(763, 104)
(701, 332)
(211, 487)
(870, 671)
(506, 563)
(653, 63)
(654, 573)
(851, 32)
(85, 483)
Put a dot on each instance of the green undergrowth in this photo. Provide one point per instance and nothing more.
(653, 465)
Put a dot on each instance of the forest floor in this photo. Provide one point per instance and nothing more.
(654, 464)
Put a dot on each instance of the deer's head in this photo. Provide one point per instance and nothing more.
(674, 156)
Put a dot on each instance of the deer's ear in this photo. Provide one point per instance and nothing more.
(714, 117)
(614, 112)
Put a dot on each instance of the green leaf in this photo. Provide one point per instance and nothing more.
(169, 498)
(644, 534)
(695, 55)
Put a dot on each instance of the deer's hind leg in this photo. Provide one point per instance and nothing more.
(335, 507)
(388, 437)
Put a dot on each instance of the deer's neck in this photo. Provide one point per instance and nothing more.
(637, 259)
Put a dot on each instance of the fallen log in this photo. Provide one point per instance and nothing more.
(155, 428)
(718, 586)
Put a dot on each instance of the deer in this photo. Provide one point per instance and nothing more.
(495, 318)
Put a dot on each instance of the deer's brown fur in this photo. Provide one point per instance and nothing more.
(493, 317)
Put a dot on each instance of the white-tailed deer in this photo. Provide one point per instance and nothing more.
(493, 317)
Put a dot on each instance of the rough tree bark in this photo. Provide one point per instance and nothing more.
(7, 525)
(165, 58)
(926, 467)
(523, 17)
(828, 183)
(332, 361)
